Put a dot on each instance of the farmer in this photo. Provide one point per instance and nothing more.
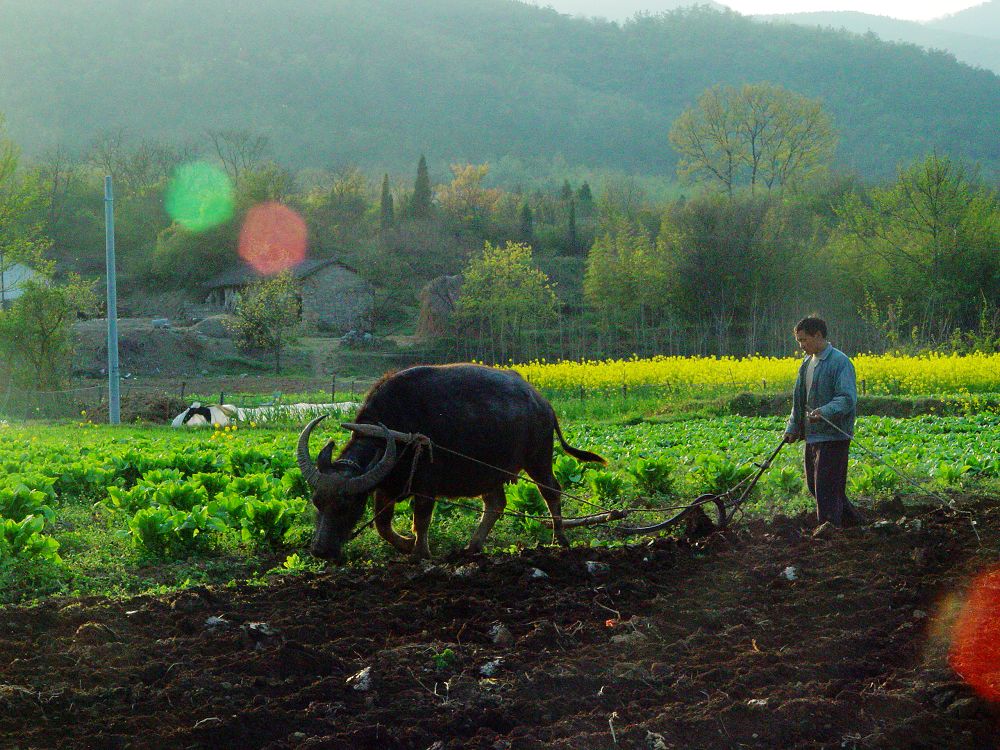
(823, 410)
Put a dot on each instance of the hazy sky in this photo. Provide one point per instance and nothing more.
(914, 10)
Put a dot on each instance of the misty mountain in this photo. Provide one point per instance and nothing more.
(378, 82)
(979, 20)
(979, 46)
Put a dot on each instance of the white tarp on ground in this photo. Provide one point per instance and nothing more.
(199, 416)
(303, 411)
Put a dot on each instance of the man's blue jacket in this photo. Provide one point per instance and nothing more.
(834, 392)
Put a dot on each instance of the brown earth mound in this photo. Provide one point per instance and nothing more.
(153, 408)
(668, 644)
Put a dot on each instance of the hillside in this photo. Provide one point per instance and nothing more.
(377, 82)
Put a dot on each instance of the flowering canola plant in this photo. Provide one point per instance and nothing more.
(889, 374)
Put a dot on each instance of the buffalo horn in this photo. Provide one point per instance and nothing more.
(367, 481)
(327, 483)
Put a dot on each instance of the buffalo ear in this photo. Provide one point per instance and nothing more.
(324, 461)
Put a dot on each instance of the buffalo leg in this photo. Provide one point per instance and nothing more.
(494, 502)
(423, 509)
(552, 492)
(384, 508)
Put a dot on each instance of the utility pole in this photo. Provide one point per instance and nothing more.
(114, 396)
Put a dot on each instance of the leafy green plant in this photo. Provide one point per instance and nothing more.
(607, 486)
(249, 461)
(654, 476)
(128, 500)
(34, 481)
(197, 462)
(568, 471)
(525, 497)
(718, 475)
(24, 539)
(252, 485)
(267, 521)
(213, 483)
(444, 659)
(294, 485)
(787, 481)
(181, 495)
(82, 478)
(19, 502)
(948, 474)
(159, 476)
(163, 531)
(873, 481)
(230, 509)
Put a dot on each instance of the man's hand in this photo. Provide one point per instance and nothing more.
(814, 416)
(792, 437)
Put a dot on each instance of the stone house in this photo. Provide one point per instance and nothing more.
(11, 279)
(334, 297)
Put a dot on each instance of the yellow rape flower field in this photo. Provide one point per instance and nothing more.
(884, 374)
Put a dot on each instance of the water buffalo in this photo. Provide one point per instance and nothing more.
(494, 418)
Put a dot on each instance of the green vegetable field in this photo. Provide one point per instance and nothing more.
(87, 509)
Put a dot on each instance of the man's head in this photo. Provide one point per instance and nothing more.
(811, 334)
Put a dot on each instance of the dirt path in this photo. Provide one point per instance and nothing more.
(668, 645)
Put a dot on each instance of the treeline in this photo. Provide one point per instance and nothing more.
(576, 270)
(374, 82)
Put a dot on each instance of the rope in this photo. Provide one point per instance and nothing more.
(950, 504)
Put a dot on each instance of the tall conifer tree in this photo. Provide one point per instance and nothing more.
(387, 215)
(572, 241)
(421, 204)
(527, 224)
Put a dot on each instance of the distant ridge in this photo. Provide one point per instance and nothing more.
(980, 48)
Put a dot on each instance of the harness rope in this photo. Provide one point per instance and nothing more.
(421, 442)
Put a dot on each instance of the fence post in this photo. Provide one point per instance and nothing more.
(222, 397)
(333, 388)
(183, 387)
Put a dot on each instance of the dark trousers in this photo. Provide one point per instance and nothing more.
(826, 475)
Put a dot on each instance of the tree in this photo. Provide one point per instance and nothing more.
(21, 241)
(503, 293)
(585, 198)
(36, 332)
(760, 135)
(572, 240)
(725, 259)
(928, 242)
(526, 224)
(420, 201)
(266, 316)
(624, 278)
(239, 151)
(386, 212)
(465, 199)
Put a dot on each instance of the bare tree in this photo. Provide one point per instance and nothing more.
(238, 150)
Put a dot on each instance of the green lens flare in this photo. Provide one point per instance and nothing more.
(200, 196)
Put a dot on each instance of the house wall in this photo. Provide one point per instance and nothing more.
(336, 299)
(11, 280)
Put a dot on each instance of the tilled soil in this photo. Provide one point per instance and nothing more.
(760, 638)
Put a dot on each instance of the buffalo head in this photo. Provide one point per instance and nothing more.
(340, 490)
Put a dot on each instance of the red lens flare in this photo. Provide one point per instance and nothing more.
(975, 649)
(273, 238)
